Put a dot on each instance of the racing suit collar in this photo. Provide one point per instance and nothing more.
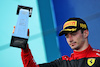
(82, 54)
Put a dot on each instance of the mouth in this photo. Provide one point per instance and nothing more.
(73, 44)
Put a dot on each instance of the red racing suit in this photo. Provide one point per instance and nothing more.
(87, 58)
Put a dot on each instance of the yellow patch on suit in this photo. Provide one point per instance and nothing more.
(91, 61)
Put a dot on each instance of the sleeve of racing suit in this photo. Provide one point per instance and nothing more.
(56, 63)
(28, 60)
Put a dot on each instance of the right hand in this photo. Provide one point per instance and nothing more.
(26, 50)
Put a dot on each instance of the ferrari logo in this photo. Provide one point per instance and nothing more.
(91, 61)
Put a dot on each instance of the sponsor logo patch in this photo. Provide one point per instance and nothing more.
(90, 61)
(70, 23)
(83, 25)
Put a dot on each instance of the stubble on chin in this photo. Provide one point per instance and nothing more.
(75, 47)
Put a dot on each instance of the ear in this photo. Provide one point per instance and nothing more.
(86, 33)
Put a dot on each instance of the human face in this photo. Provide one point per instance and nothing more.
(75, 40)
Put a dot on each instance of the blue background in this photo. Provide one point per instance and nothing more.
(85, 9)
(48, 17)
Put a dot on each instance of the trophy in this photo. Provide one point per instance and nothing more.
(19, 37)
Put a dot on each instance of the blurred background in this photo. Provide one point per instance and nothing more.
(48, 17)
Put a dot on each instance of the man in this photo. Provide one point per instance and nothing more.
(76, 33)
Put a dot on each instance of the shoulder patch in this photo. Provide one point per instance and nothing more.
(65, 57)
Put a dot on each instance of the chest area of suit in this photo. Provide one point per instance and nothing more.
(84, 62)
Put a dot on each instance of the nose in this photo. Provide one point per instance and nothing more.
(70, 38)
